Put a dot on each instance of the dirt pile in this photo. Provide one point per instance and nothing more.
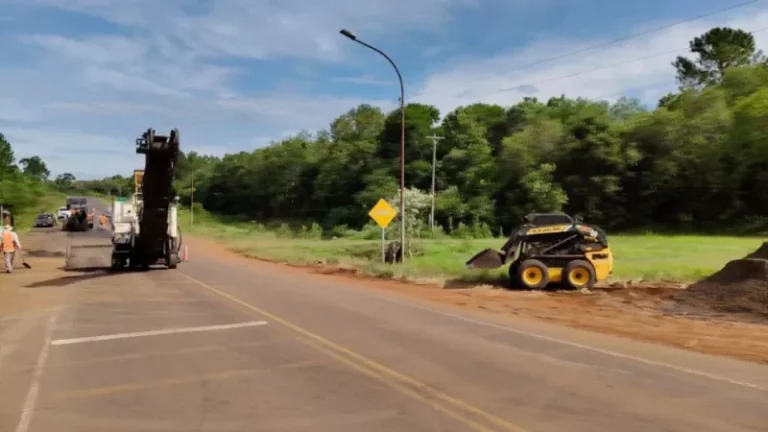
(760, 253)
(741, 287)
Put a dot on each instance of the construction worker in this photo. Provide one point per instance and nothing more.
(9, 245)
(7, 218)
(103, 221)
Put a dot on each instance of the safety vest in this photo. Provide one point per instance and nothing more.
(8, 245)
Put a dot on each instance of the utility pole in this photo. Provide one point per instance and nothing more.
(434, 139)
(192, 203)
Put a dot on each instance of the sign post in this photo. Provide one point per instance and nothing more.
(383, 213)
(383, 249)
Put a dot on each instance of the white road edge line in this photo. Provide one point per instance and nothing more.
(34, 386)
(156, 333)
(660, 364)
(589, 348)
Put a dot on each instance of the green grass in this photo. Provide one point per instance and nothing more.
(649, 257)
(49, 203)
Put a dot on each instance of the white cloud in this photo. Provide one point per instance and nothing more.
(154, 66)
(265, 28)
(508, 77)
(11, 111)
(59, 148)
(306, 112)
(363, 80)
(97, 50)
(84, 104)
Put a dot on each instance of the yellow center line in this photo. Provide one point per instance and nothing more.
(376, 370)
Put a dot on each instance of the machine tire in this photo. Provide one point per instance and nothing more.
(579, 274)
(173, 260)
(532, 274)
(513, 278)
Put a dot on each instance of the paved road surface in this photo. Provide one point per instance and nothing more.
(227, 345)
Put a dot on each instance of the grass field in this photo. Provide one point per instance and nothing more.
(48, 203)
(648, 257)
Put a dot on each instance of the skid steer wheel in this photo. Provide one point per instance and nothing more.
(579, 274)
(532, 274)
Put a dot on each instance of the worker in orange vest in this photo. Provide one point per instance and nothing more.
(103, 221)
(10, 243)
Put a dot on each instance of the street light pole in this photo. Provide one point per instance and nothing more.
(354, 38)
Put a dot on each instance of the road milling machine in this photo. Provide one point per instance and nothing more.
(551, 248)
(145, 229)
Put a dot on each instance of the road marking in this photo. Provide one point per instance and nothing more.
(593, 349)
(607, 352)
(34, 386)
(156, 333)
(148, 355)
(557, 360)
(123, 388)
(394, 379)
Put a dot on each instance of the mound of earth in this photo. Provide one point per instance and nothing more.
(760, 253)
(741, 287)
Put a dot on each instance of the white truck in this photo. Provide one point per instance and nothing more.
(130, 249)
(63, 213)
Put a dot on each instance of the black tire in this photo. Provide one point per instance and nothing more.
(532, 274)
(579, 274)
(513, 278)
(173, 260)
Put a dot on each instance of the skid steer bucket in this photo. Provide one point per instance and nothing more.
(88, 257)
(486, 259)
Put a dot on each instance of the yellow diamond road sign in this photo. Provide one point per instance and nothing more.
(382, 213)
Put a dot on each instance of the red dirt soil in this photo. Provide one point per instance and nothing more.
(635, 312)
(740, 288)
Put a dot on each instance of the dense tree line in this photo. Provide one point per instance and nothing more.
(699, 160)
(23, 183)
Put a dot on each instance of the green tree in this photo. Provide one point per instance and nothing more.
(6, 155)
(65, 180)
(35, 167)
(716, 51)
(697, 161)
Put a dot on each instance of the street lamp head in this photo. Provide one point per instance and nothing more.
(348, 34)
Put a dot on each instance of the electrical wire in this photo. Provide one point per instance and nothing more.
(588, 71)
(592, 47)
(621, 93)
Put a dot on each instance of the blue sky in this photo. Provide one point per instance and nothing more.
(81, 79)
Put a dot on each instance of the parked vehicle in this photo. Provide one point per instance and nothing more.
(45, 220)
(63, 213)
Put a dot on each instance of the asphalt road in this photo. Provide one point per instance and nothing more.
(223, 344)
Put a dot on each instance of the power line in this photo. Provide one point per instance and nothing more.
(655, 85)
(592, 47)
(571, 75)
